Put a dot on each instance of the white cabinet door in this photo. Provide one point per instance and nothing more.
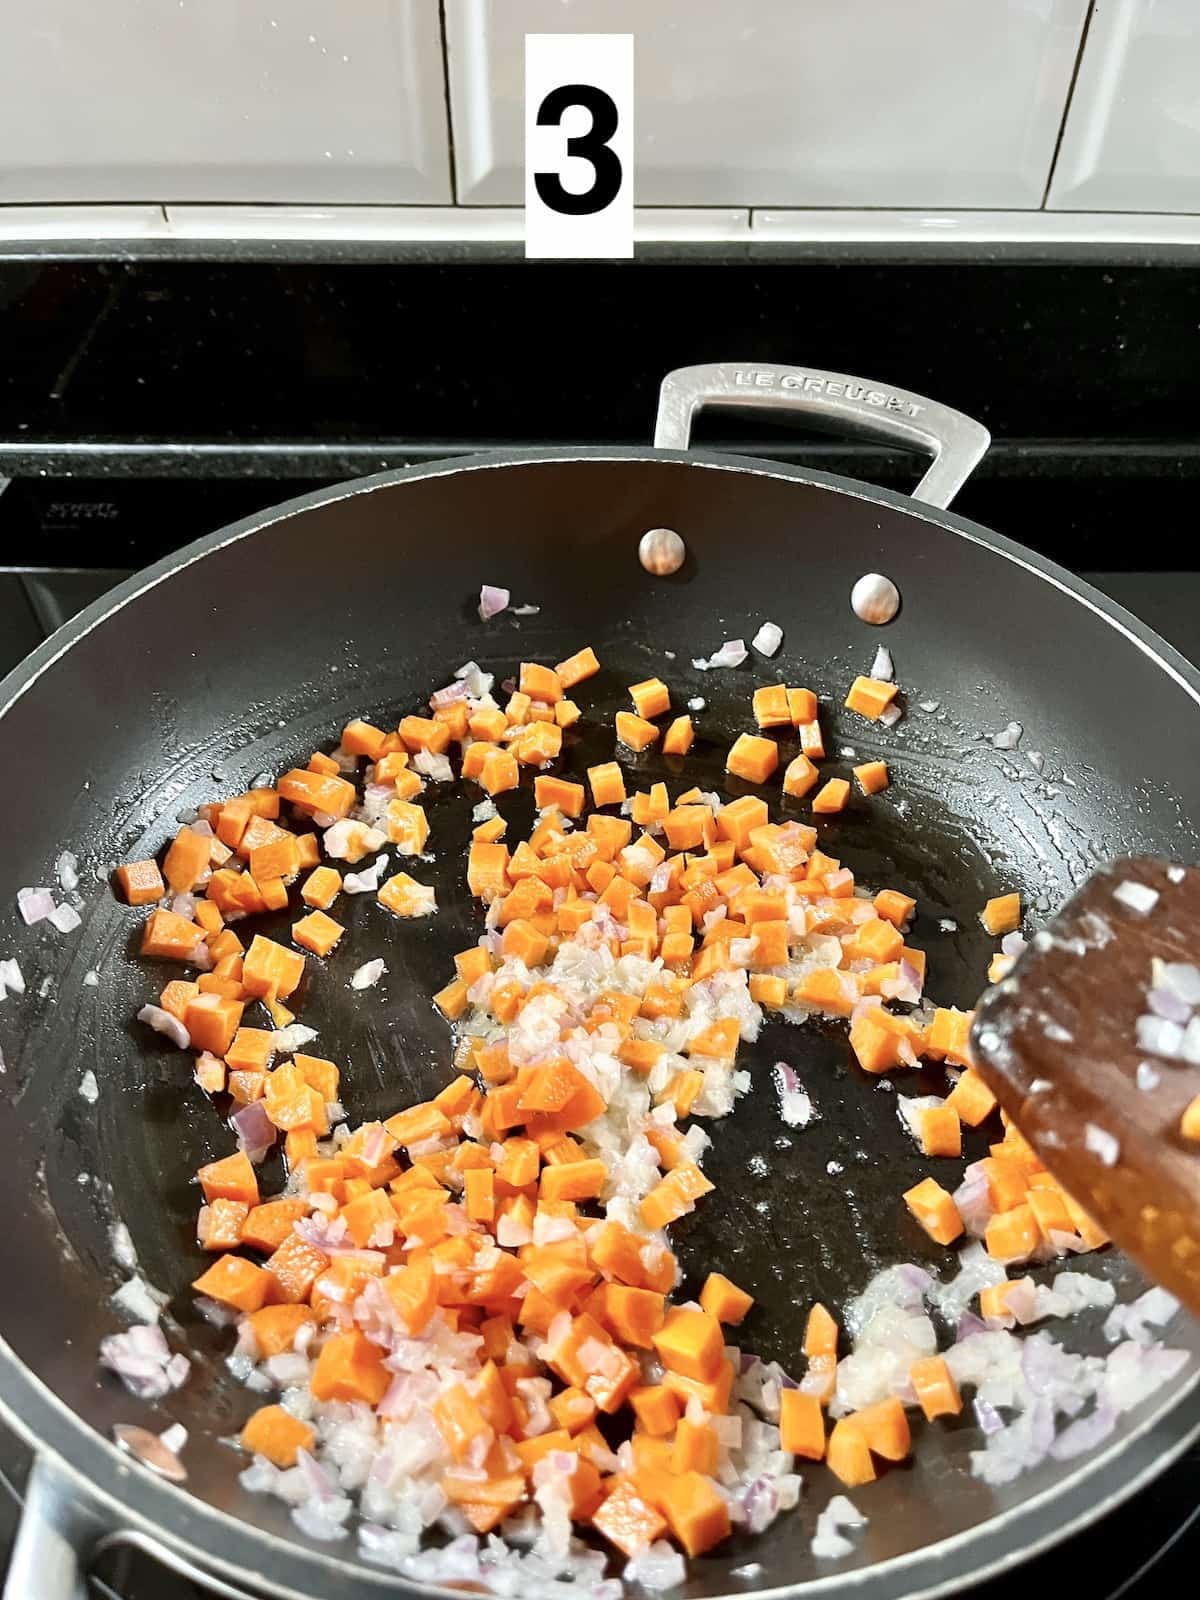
(223, 100)
(792, 102)
(1132, 139)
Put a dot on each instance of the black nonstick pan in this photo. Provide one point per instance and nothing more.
(249, 648)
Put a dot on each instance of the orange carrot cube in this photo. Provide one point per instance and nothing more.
(872, 776)
(650, 698)
(870, 697)
(832, 797)
(752, 758)
(634, 731)
(576, 668)
(607, 785)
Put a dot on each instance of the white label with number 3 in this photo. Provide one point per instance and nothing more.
(578, 144)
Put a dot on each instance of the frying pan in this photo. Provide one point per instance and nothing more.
(250, 647)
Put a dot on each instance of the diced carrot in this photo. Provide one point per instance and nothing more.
(894, 907)
(187, 860)
(722, 1299)
(802, 706)
(768, 991)
(580, 1180)
(849, 1455)
(872, 776)
(1007, 1182)
(267, 1226)
(820, 1334)
(948, 1035)
(220, 1224)
(870, 697)
(540, 683)
(752, 758)
(657, 1409)
(140, 882)
(650, 698)
(276, 1434)
(236, 1282)
(885, 1428)
(317, 932)
(295, 1266)
(276, 1327)
(405, 897)
(576, 668)
(831, 991)
(634, 732)
(321, 888)
(271, 969)
(499, 772)
(177, 996)
(713, 1393)
(832, 797)
(251, 1050)
(539, 744)
(770, 706)
(211, 1022)
(361, 738)
(690, 1343)
(551, 791)
(1002, 914)
(678, 738)
(941, 1131)
(627, 1520)
(168, 937)
(423, 733)
(694, 1449)
(313, 791)
(935, 1388)
(319, 1074)
(801, 1424)
(350, 1368)
(696, 1514)
(799, 777)
(566, 713)
(1012, 1235)
(321, 763)
(934, 1209)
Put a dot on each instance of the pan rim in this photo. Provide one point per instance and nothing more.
(135, 1497)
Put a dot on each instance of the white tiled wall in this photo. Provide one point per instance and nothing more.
(1132, 139)
(298, 118)
(222, 100)
(792, 102)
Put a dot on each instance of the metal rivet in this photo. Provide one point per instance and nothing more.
(661, 551)
(875, 598)
(150, 1450)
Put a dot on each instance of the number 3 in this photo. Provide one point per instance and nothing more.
(592, 146)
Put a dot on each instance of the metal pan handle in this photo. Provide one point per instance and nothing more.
(847, 405)
(60, 1533)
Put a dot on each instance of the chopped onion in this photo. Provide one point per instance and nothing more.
(368, 974)
(1166, 1003)
(1160, 1037)
(163, 1022)
(731, 654)
(35, 905)
(492, 601)
(286, 1041)
(882, 667)
(1102, 1144)
(65, 918)
(1182, 979)
(890, 715)
(1138, 897)
(1008, 738)
(366, 881)
(768, 639)
(447, 696)
(1147, 1077)
(254, 1129)
(431, 766)
(66, 870)
(11, 977)
(658, 1566)
(89, 1088)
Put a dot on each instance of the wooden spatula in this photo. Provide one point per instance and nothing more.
(1058, 1042)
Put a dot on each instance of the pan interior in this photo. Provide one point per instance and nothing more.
(245, 660)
